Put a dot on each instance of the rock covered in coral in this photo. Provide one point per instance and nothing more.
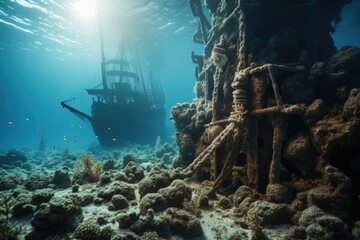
(171, 196)
(182, 115)
(61, 179)
(130, 157)
(155, 201)
(333, 132)
(182, 223)
(57, 216)
(109, 164)
(82, 199)
(279, 193)
(42, 195)
(352, 105)
(315, 112)
(88, 230)
(158, 178)
(270, 213)
(176, 193)
(8, 181)
(23, 205)
(125, 220)
(338, 75)
(165, 149)
(302, 154)
(119, 202)
(346, 60)
(37, 181)
(242, 193)
(320, 225)
(12, 157)
(117, 187)
(187, 146)
(134, 172)
(333, 196)
(296, 89)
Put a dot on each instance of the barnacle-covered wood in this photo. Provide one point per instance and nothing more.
(267, 61)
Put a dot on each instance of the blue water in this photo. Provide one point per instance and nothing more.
(50, 51)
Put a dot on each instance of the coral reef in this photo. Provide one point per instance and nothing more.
(268, 149)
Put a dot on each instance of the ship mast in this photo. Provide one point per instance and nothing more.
(103, 61)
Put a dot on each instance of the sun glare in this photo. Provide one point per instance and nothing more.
(84, 9)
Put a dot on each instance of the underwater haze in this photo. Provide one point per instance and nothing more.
(50, 52)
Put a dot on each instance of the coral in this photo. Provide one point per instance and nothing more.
(192, 206)
(8, 181)
(352, 104)
(315, 112)
(149, 236)
(12, 157)
(320, 225)
(134, 172)
(182, 223)
(92, 167)
(155, 201)
(163, 149)
(279, 193)
(105, 179)
(270, 213)
(242, 193)
(154, 182)
(171, 196)
(119, 202)
(176, 193)
(61, 178)
(125, 220)
(88, 230)
(224, 203)
(8, 230)
(109, 164)
(254, 221)
(42, 195)
(301, 153)
(333, 133)
(52, 218)
(117, 187)
(106, 233)
(130, 157)
(82, 199)
(37, 181)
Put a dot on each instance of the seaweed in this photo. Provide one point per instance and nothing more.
(8, 230)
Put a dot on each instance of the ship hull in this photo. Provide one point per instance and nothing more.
(115, 125)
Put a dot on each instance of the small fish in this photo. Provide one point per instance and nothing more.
(97, 136)
(114, 139)
(65, 138)
(109, 128)
(27, 119)
(10, 123)
(53, 147)
(80, 127)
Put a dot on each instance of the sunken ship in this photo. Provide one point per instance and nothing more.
(125, 107)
